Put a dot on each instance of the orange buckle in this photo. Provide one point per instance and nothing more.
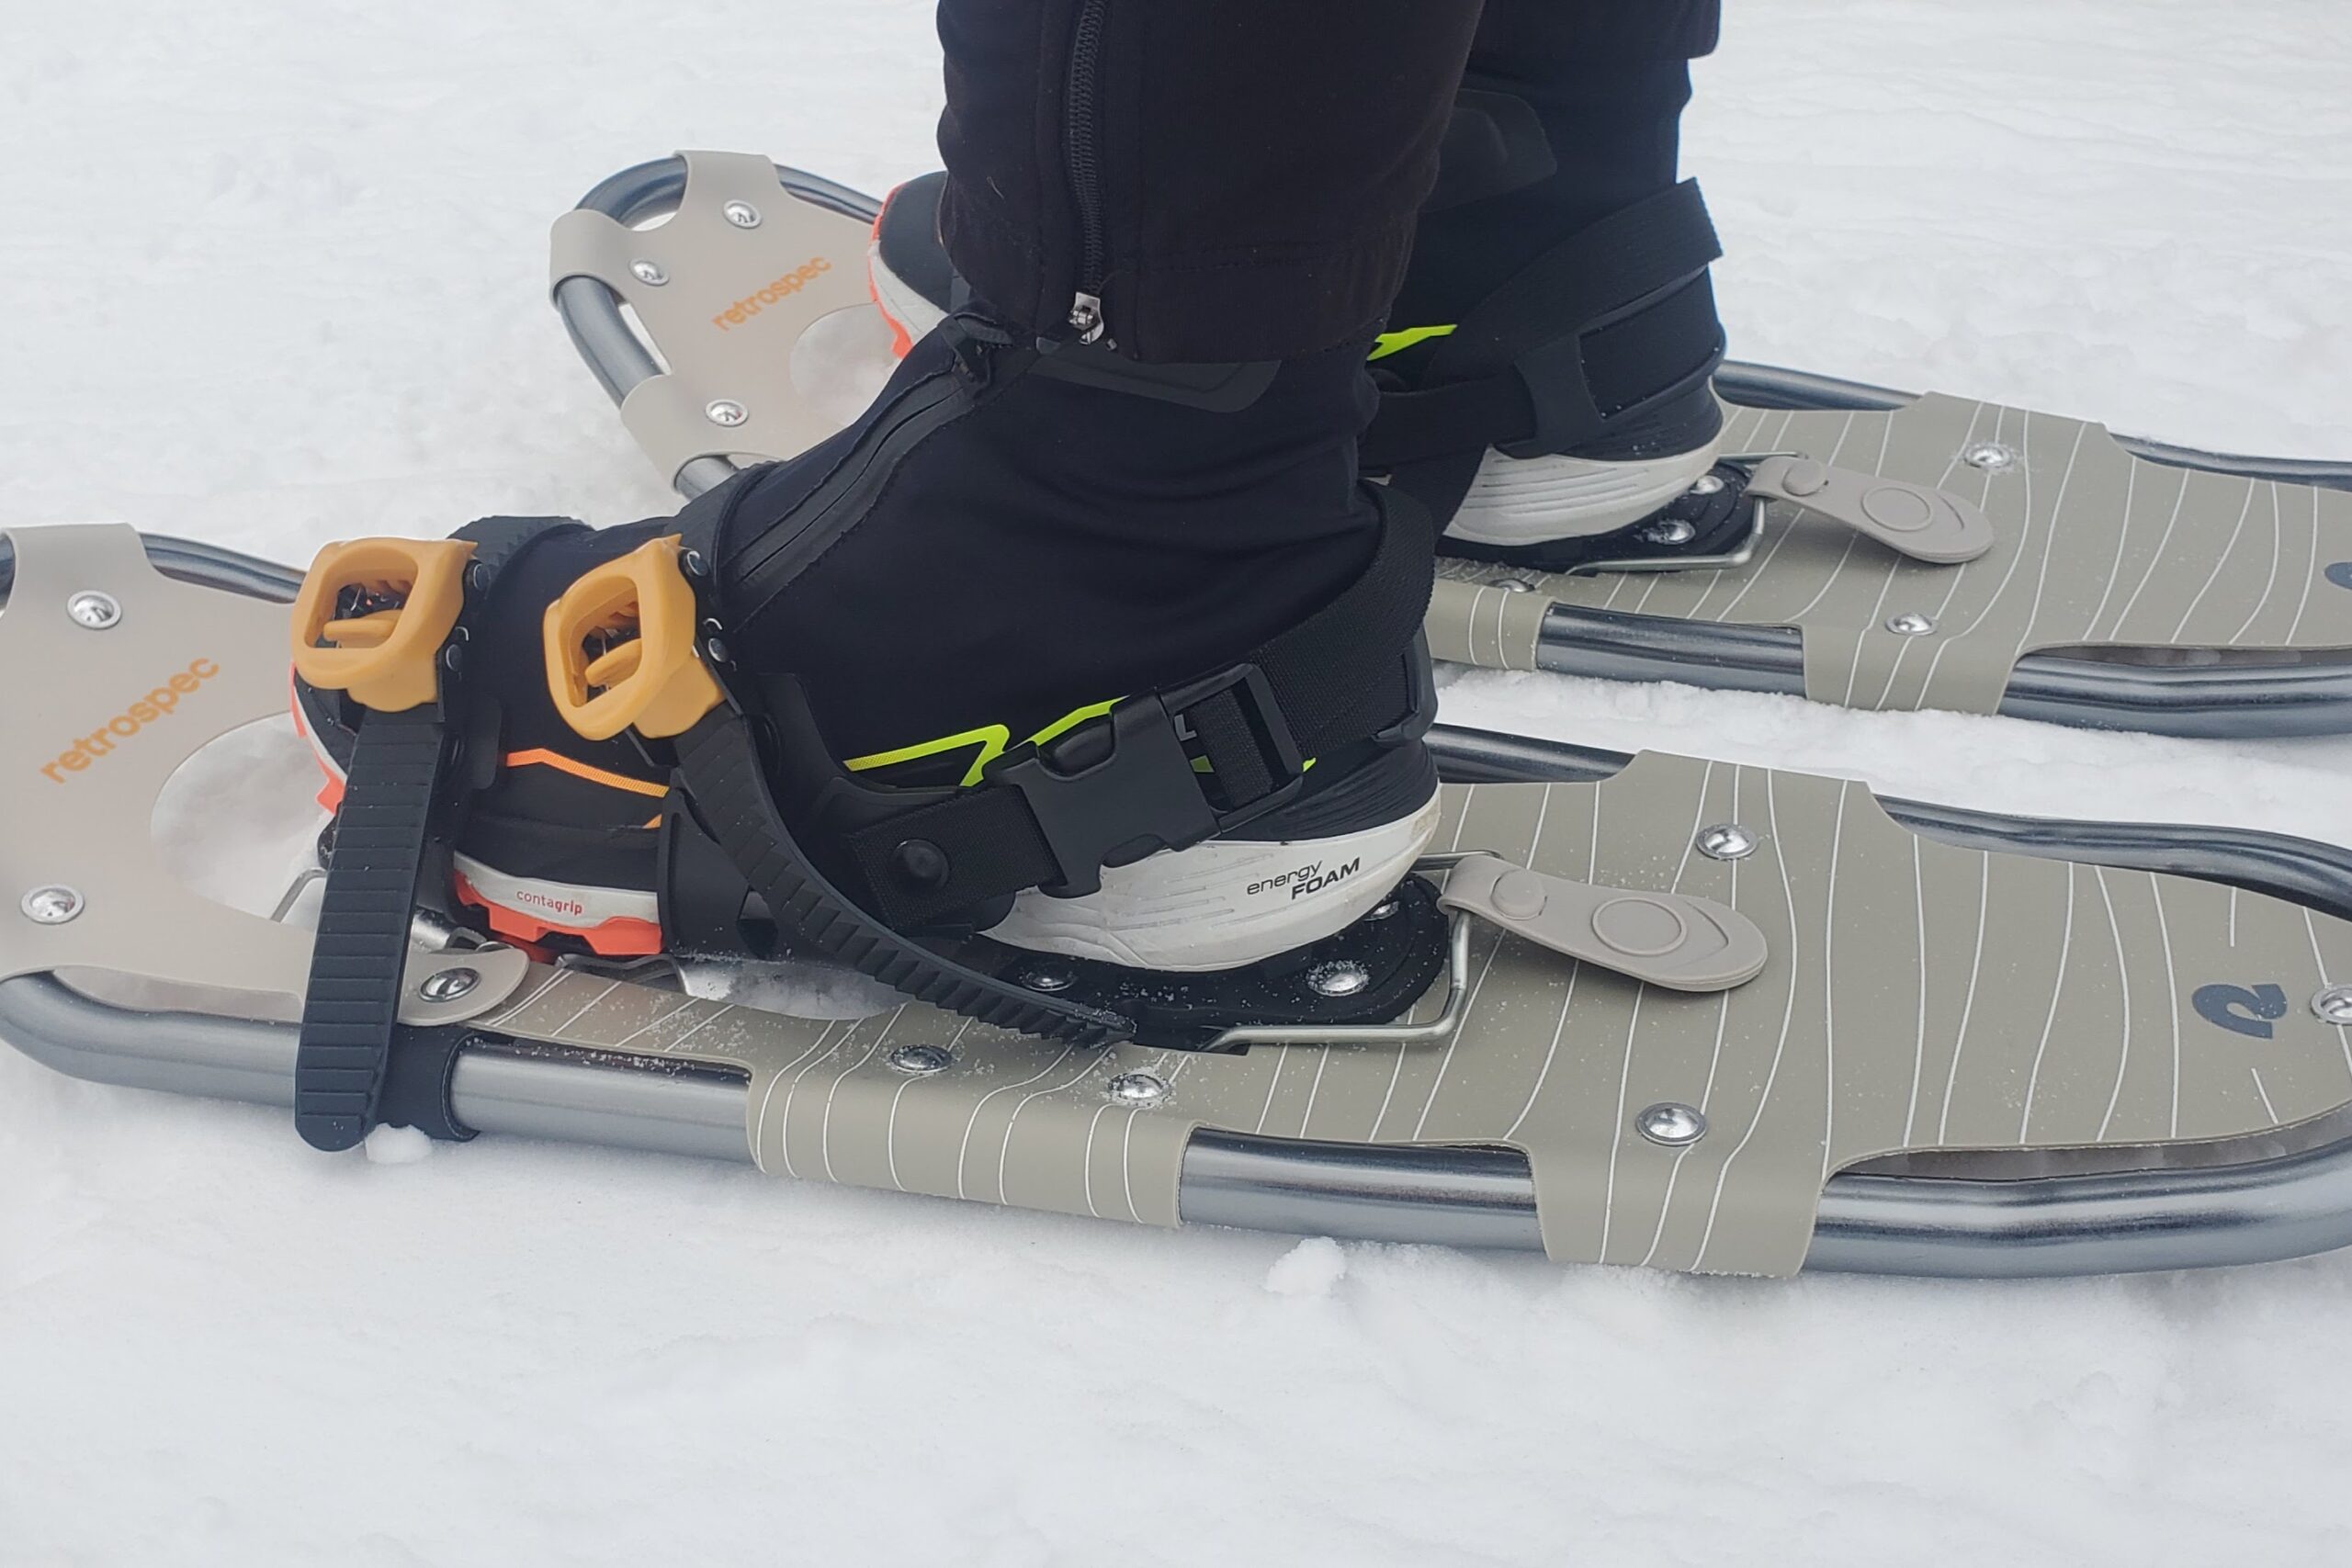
(373, 616)
(620, 648)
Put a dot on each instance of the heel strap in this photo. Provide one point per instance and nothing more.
(1568, 353)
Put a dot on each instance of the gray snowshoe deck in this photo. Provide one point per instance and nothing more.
(2132, 584)
(1979, 1045)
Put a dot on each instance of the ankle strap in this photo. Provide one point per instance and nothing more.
(1592, 335)
(1052, 815)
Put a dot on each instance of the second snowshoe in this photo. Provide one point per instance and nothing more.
(1852, 545)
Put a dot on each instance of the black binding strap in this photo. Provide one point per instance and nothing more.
(392, 790)
(420, 1080)
(1574, 346)
(1124, 784)
(1108, 791)
(719, 762)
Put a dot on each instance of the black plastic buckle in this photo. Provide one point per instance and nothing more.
(1121, 787)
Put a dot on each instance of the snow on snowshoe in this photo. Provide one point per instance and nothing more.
(1849, 544)
(1653, 1011)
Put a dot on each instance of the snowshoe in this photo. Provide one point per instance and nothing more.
(1849, 544)
(1649, 1011)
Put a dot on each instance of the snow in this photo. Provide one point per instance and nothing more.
(1311, 1270)
(275, 275)
(396, 1146)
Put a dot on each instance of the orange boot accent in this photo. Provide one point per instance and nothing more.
(901, 342)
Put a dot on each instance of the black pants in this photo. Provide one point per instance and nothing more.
(1239, 179)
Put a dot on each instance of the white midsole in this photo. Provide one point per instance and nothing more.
(1224, 903)
(1533, 501)
(1215, 906)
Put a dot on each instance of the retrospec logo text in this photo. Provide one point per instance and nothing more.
(783, 289)
(156, 705)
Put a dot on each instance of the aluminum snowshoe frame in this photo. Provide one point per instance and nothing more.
(107, 981)
(1798, 610)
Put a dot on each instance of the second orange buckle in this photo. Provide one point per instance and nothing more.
(621, 648)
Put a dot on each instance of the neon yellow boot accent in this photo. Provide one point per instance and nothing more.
(1387, 344)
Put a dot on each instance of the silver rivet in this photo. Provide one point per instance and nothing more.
(2333, 1005)
(742, 214)
(726, 411)
(449, 985)
(1136, 1089)
(1727, 840)
(1673, 1125)
(95, 610)
(1910, 623)
(692, 563)
(715, 650)
(1045, 977)
(1990, 456)
(648, 272)
(1667, 531)
(1383, 909)
(921, 1061)
(1707, 484)
(51, 905)
(1343, 978)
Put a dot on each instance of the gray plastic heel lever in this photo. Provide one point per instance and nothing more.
(1663, 939)
(1911, 519)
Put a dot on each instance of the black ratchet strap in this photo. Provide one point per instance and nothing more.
(1161, 769)
(393, 787)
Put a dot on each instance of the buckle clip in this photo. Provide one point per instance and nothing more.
(373, 616)
(621, 648)
(1121, 786)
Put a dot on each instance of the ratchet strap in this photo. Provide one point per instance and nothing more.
(847, 869)
(384, 623)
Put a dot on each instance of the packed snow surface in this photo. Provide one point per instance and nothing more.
(274, 274)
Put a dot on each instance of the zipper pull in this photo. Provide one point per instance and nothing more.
(974, 340)
(1086, 317)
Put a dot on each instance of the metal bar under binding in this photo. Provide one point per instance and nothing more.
(2266, 1210)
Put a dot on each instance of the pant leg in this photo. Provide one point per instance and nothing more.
(1250, 169)
(1533, 38)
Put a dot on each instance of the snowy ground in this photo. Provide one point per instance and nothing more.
(274, 274)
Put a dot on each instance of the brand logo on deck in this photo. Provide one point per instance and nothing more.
(2242, 1010)
(88, 750)
(775, 293)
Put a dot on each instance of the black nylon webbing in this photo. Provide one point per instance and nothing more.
(718, 764)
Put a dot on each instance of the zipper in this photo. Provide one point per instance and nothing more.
(766, 566)
(1082, 161)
